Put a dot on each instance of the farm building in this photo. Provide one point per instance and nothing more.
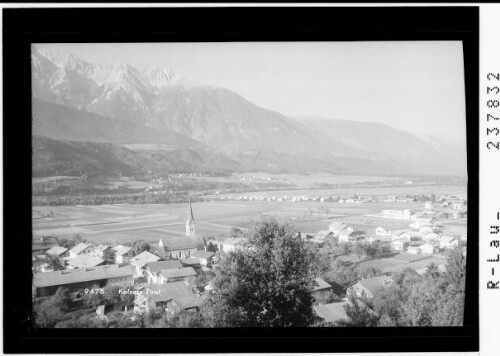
(151, 269)
(84, 261)
(58, 251)
(332, 312)
(448, 241)
(171, 297)
(141, 260)
(336, 227)
(232, 244)
(205, 257)
(122, 254)
(346, 234)
(368, 287)
(321, 286)
(46, 284)
(427, 249)
(81, 249)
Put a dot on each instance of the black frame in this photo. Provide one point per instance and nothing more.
(25, 26)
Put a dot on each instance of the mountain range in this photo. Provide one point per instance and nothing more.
(74, 100)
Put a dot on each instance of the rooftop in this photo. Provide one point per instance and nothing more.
(163, 265)
(332, 312)
(143, 258)
(374, 283)
(177, 291)
(202, 254)
(121, 250)
(61, 278)
(57, 250)
(85, 261)
(190, 261)
(181, 272)
(80, 247)
(320, 284)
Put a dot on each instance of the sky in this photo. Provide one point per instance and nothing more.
(413, 86)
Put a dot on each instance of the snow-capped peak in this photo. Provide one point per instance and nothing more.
(158, 76)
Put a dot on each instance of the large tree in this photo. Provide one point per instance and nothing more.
(268, 283)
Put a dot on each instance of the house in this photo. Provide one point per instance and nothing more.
(151, 269)
(105, 252)
(321, 286)
(424, 230)
(428, 205)
(381, 231)
(332, 312)
(427, 249)
(187, 274)
(346, 234)
(335, 312)
(171, 297)
(458, 204)
(204, 257)
(414, 250)
(82, 248)
(58, 251)
(368, 287)
(431, 237)
(84, 261)
(232, 244)
(46, 284)
(337, 226)
(141, 260)
(122, 254)
(448, 241)
(323, 234)
(399, 245)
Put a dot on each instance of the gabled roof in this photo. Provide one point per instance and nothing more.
(80, 247)
(374, 283)
(175, 243)
(61, 278)
(181, 272)
(320, 284)
(163, 265)
(202, 254)
(337, 225)
(121, 250)
(190, 261)
(143, 258)
(83, 261)
(176, 291)
(57, 250)
(346, 232)
(332, 312)
(101, 248)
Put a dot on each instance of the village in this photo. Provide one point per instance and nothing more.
(173, 274)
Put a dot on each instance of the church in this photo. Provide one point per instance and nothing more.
(181, 246)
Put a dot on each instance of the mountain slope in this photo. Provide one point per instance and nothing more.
(381, 142)
(63, 123)
(122, 104)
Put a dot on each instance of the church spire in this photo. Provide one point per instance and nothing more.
(190, 217)
(190, 221)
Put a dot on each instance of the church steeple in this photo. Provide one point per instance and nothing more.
(190, 221)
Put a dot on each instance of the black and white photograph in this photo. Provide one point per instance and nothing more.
(248, 184)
